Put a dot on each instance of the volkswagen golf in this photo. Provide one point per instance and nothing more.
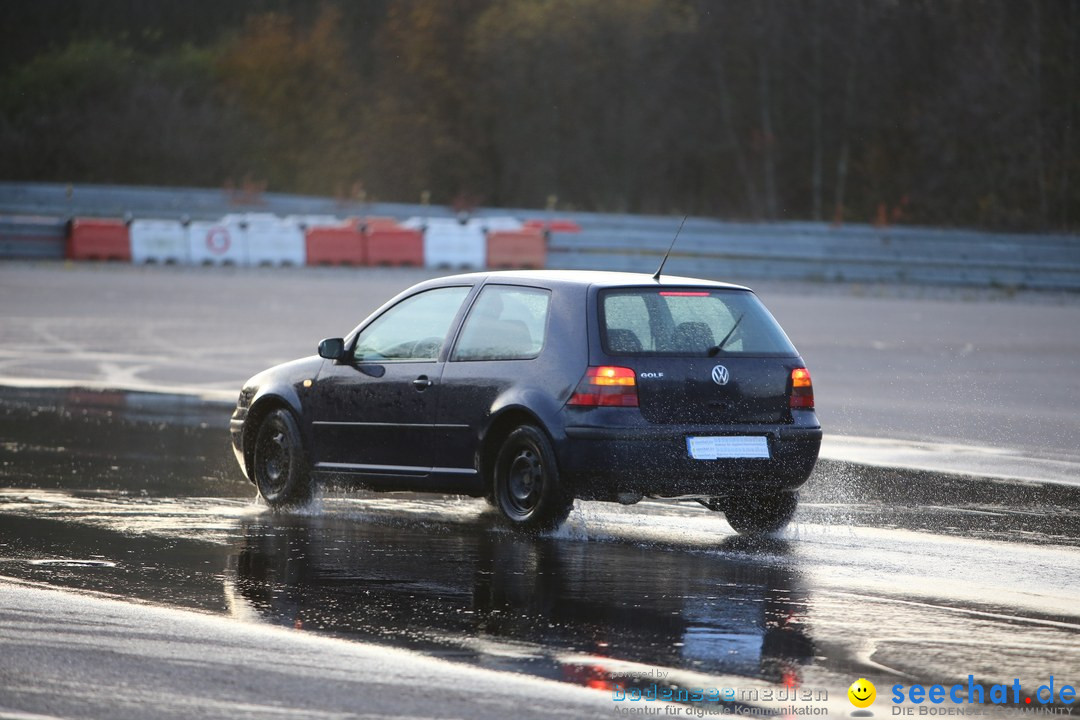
(536, 388)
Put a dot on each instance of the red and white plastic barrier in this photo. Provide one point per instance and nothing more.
(309, 221)
(554, 225)
(337, 243)
(159, 241)
(451, 244)
(217, 243)
(274, 241)
(265, 239)
(492, 224)
(374, 223)
(525, 248)
(399, 245)
(95, 239)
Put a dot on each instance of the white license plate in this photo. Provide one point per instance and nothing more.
(716, 448)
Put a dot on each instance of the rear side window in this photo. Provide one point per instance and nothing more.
(692, 321)
(505, 323)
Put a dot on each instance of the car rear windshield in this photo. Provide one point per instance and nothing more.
(689, 321)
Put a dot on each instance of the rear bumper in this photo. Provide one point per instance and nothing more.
(600, 463)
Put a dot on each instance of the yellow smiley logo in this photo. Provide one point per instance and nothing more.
(862, 693)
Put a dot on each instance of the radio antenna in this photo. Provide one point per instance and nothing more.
(661, 268)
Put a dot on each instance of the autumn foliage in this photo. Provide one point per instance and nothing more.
(922, 111)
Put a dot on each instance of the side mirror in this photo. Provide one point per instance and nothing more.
(332, 348)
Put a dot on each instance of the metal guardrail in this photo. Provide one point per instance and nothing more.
(158, 203)
(706, 247)
(818, 252)
(32, 237)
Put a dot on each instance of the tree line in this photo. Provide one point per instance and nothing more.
(942, 112)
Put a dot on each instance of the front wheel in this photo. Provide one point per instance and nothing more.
(278, 465)
(760, 515)
(526, 483)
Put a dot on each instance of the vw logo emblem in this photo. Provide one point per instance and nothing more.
(720, 375)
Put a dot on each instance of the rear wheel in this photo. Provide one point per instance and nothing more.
(278, 464)
(759, 515)
(526, 483)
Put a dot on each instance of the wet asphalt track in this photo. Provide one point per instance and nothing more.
(901, 576)
(982, 368)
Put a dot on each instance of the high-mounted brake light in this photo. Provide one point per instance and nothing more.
(606, 386)
(802, 390)
(682, 293)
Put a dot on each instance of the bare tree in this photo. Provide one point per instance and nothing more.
(816, 113)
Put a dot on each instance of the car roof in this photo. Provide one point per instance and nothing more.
(600, 278)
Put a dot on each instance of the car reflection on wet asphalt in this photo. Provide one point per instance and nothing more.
(518, 604)
(882, 575)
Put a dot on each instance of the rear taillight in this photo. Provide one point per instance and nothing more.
(606, 387)
(802, 390)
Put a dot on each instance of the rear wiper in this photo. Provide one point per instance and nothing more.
(720, 345)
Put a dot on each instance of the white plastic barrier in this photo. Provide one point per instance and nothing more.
(218, 243)
(272, 241)
(448, 243)
(159, 241)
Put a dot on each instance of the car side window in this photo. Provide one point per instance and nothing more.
(505, 323)
(414, 329)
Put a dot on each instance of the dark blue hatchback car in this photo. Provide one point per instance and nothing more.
(535, 388)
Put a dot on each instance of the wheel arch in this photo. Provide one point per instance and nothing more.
(499, 428)
(264, 404)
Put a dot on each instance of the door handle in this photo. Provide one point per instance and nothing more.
(422, 383)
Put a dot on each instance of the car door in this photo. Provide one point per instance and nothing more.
(373, 412)
(496, 351)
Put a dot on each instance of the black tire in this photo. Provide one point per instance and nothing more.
(526, 483)
(761, 515)
(279, 465)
